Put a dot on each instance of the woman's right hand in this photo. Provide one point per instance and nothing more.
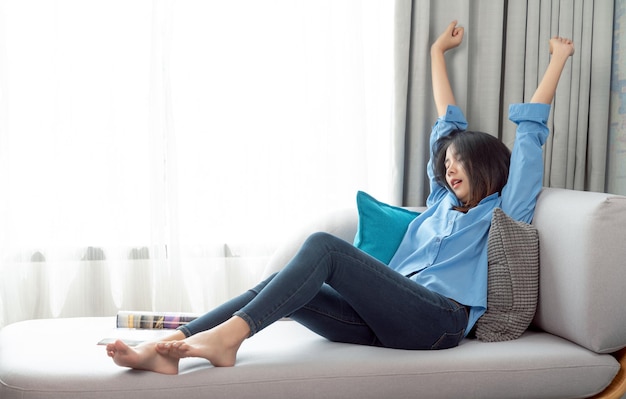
(450, 38)
(561, 47)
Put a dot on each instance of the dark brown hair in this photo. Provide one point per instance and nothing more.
(485, 160)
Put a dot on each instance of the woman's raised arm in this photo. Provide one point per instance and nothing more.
(442, 90)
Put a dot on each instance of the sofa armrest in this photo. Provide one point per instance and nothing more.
(582, 267)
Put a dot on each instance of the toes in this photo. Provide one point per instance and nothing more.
(172, 349)
(161, 348)
(164, 348)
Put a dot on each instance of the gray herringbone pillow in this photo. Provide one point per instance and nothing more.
(513, 279)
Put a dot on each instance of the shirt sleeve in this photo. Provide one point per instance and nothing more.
(451, 121)
(519, 196)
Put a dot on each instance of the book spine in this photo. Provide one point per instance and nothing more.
(153, 320)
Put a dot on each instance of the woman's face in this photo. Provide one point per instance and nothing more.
(456, 176)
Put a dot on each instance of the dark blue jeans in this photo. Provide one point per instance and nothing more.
(345, 295)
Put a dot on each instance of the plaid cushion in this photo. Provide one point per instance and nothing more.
(513, 279)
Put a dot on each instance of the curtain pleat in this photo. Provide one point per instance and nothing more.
(599, 97)
(616, 163)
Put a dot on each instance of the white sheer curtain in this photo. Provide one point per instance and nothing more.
(154, 153)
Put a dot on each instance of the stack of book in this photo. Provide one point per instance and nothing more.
(153, 320)
(135, 327)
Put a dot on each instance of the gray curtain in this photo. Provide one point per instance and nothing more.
(504, 54)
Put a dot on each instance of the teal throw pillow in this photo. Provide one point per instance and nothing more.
(381, 227)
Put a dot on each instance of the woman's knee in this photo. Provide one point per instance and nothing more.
(321, 239)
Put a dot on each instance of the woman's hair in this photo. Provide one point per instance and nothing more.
(485, 160)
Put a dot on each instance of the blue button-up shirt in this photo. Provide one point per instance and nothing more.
(447, 249)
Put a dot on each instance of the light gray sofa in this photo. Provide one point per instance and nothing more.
(573, 349)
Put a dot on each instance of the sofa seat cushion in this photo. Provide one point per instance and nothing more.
(59, 358)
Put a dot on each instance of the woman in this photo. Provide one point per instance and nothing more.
(434, 288)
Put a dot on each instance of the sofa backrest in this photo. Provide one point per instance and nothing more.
(341, 223)
(582, 245)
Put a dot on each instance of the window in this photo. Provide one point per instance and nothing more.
(186, 131)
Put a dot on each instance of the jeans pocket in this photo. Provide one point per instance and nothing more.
(448, 340)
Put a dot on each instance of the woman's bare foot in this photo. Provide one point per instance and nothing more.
(218, 345)
(142, 357)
